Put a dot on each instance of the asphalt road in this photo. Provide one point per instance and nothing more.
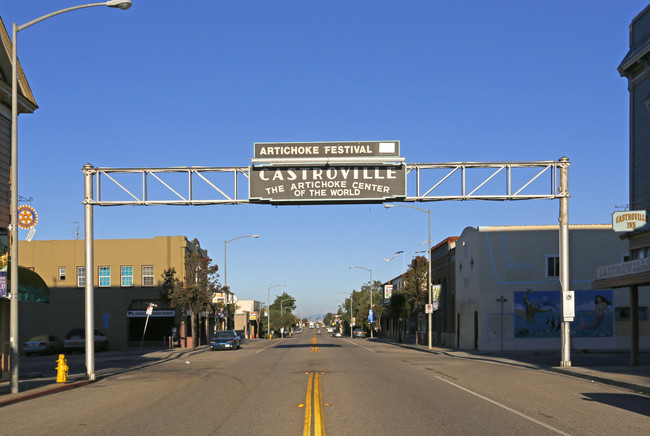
(311, 384)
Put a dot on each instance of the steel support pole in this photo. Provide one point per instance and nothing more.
(373, 312)
(430, 332)
(13, 228)
(351, 326)
(564, 258)
(88, 170)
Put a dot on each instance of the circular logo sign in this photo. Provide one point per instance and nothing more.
(27, 217)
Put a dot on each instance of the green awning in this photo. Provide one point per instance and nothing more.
(31, 286)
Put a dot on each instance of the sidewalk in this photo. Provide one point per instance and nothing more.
(606, 367)
(36, 385)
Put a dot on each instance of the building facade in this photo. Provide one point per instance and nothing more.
(247, 318)
(128, 276)
(508, 291)
(443, 273)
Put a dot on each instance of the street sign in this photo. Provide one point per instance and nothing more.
(629, 220)
(429, 308)
(435, 292)
(327, 184)
(326, 150)
(27, 217)
(149, 310)
(388, 291)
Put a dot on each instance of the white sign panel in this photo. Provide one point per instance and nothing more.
(628, 221)
(388, 291)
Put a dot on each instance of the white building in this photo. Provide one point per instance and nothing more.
(247, 317)
(520, 264)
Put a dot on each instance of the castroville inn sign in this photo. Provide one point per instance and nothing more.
(327, 172)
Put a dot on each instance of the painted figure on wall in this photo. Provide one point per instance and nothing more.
(538, 314)
(595, 317)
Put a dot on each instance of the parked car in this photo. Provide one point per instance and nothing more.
(225, 340)
(44, 344)
(75, 340)
(359, 333)
(337, 334)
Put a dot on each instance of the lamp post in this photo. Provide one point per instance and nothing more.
(13, 227)
(370, 271)
(268, 311)
(225, 264)
(428, 212)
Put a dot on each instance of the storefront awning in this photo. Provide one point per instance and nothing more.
(31, 286)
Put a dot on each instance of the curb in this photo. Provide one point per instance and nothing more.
(603, 380)
(43, 391)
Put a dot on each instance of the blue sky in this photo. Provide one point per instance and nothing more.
(197, 83)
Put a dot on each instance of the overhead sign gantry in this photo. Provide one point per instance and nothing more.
(331, 172)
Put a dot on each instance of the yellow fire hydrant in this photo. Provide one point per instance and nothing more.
(61, 369)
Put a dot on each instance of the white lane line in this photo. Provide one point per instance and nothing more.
(505, 407)
(354, 343)
(270, 346)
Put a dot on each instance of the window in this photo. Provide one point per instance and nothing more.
(81, 276)
(61, 273)
(126, 276)
(639, 253)
(552, 267)
(104, 276)
(147, 275)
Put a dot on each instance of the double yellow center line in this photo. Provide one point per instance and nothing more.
(314, 345)
(315, 411)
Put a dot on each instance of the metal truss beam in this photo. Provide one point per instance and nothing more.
(452, 181)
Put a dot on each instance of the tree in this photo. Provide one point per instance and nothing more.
(285, 319)
(193, 293)
(415, 283)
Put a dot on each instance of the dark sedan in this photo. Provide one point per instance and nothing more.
(225, 340)
(360, 333)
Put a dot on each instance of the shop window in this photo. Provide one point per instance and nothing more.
(126, 276)
(552, 267)
(81, 276)
(147, 276)
(61, 273)
(623, 313)
(104, 276)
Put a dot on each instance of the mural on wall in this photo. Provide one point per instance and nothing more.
(538, 314)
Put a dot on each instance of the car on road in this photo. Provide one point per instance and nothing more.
(43, 344)
(359, 333)
(337, 334)
(75, 340)
(225, 340)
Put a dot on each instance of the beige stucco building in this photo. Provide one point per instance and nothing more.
(127, 278)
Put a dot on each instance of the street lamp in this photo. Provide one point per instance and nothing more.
(388, 259)
(268, 311)
(428, 211)
(13, 227)
(225, 263)
(370, 271)
(225, 258)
